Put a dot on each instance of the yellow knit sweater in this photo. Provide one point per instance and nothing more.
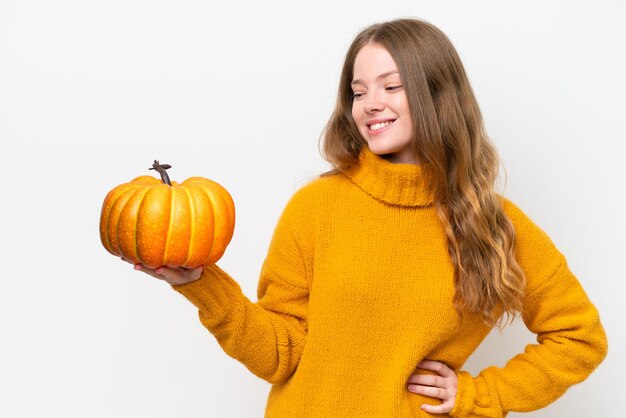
(357, 289)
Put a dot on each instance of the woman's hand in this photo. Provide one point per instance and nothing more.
(442, 386)
(174, 276)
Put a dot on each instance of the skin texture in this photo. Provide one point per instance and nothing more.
(378, 94)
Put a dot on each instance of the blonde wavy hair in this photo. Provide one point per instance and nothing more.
(460, 162)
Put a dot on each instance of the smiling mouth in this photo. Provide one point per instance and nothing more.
(378, 126)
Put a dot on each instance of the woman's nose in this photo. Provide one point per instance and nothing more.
(373, 103)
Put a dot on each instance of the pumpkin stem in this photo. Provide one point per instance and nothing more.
(160, 168)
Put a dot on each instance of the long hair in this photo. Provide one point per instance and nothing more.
(460, 162)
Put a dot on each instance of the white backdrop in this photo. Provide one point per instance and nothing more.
(92, 92)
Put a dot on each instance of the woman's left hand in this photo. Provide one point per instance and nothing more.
(442, 386)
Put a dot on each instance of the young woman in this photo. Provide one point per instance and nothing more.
(385, 274)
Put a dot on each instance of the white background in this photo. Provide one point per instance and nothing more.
(91, 92)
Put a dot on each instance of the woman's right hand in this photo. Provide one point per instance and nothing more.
(174, 276)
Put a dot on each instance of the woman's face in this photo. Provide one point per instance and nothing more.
(380, 107)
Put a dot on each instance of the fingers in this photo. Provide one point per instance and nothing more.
(426, 379)
(179, 275)
(436, 366)
(444, 408)
(441, 386)
(433, 392)
(150, 272)
(173, 276)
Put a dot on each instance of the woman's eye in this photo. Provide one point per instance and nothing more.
(357, 96)
(392, 88)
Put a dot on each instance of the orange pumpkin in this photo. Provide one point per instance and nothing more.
(161, 223)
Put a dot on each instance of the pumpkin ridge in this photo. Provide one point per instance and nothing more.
(104, 230)
(115, 215)
(116, 194)
(214, 208)
(192, 214)
(149, 248)
(142, 199)
(169, 226)
(204, 226)
(121, 220)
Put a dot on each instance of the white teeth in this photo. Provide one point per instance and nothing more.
(378, 126)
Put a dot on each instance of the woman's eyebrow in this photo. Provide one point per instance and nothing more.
(383, 75)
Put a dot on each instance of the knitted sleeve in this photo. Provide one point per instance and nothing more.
(571, 341)
(267, 336)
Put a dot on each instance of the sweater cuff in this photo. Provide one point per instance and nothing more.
(215, 294)
(465, 394)
(474, 398)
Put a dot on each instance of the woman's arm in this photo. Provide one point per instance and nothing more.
(571, 341)
(268, 336)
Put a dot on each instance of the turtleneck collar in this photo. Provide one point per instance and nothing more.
(395, 183)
